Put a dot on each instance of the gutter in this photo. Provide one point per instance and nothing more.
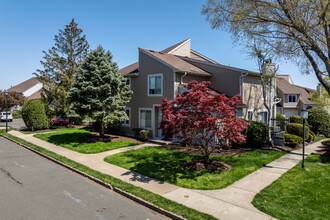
(181, 78)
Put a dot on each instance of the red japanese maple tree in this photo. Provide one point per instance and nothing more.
(201, 118)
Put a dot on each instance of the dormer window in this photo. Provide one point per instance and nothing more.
(292, 98)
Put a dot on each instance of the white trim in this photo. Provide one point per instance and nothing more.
(155, 75)
(155, 130)
(183, 43)
(174, 79)
(129, 117)
(152, 118)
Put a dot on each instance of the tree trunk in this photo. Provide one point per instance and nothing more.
(101, 129)
(206, 159)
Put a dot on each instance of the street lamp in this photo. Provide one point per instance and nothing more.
(304, 116)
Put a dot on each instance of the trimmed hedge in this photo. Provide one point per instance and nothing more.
(293, 140)
(296, 119)
(326, 143)
(256, 134)
(297, 129)
(34, 115)
(311, 136)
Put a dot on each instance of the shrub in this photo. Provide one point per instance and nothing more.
(256, 134)
(145, 134)
(297, 129)
(17, 114)
(280, 123)
(311, 136)
(292, 140)
(319, 120)
(34, 115)
(326, 143)
(296, 119)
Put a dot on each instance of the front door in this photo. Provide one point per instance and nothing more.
(159, 120)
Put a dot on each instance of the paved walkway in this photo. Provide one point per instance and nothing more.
(233, 202)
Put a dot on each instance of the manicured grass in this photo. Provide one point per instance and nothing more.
(299, 194)
(155, 199)
(318, 138)
(168, 166)
(69, 138)
(26, 131)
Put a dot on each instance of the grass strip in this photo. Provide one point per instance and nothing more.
(299, 193)
(153, 198)
(70, 138)
(168, 165)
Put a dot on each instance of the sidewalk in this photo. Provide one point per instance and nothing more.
(233, 202)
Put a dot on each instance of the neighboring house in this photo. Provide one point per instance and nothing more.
(158, 75)
(293, 98)
(31, 89)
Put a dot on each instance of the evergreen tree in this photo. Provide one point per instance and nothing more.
(99, 92)
(60, 63)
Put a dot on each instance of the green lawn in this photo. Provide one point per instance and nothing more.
(318, 138)
(167, 165)
(157, 200)
(299, 194)
(69, 138)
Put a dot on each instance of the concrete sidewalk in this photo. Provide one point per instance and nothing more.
(233, 202)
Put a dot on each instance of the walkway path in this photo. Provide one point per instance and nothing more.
(233, 202)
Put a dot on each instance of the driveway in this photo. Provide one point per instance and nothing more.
(32, 187)
(16, 123)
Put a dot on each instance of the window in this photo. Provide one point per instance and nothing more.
(128, 113)
(128, 82)
(262, 116)
(292, 98)
(145, 118)
(239, 113)
(250, 115)
(155, 85)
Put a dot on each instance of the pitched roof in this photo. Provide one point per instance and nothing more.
(177, 63)
(20, 88)
(289, 88)
(38, 94)
(169, 49)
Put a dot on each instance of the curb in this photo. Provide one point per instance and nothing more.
(117, 190)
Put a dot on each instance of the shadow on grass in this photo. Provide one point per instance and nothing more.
(165, 167)
(68, 138)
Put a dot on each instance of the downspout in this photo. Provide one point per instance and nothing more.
(241, 80)
(181, 79)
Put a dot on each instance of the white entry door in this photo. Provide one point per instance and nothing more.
(159, 119)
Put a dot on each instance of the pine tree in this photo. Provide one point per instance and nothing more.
(60, 63)
(99, 92)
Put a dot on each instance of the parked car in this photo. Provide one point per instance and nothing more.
(3, 116)
(59, 121)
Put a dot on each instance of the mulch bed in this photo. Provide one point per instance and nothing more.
(95, 137)
(213, 166)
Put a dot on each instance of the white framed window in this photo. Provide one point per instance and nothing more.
(127, 123)
(145, 118)
(128, 83)
(239, 113)
(292, 98)
(262, 116)
(250, 115)
(155, 84)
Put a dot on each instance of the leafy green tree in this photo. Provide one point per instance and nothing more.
(99, 91)
(319, 120)
(322, 97)
(292, 29)
(60, 63)
(34, 115)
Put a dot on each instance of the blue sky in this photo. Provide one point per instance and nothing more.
(28, 27)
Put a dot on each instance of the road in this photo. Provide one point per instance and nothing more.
(16, 123)
(32, 187)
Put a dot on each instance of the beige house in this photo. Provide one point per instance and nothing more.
(158, 75)
(293, 98)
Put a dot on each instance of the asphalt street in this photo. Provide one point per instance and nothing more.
(16, 123)
(32, 187)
